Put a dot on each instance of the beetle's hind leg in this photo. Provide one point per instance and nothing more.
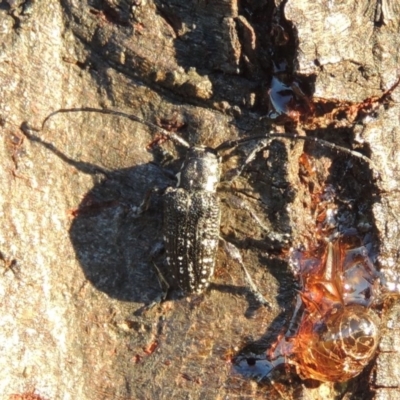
(234, 254)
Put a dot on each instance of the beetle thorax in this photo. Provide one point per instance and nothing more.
(200, 170)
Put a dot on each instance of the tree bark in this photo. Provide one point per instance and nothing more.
(76, 261)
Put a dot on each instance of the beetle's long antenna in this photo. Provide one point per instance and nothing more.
(171, 135)
(223, 146)
(235, 142)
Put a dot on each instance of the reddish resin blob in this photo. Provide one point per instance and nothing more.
(334, 332)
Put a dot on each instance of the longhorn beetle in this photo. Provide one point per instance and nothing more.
(192, 208)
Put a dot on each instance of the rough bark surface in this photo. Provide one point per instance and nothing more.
(76, 267)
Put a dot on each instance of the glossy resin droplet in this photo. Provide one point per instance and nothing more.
(334, 333)
(339, 347)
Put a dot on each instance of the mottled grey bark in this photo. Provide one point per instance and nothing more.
(76, 262)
